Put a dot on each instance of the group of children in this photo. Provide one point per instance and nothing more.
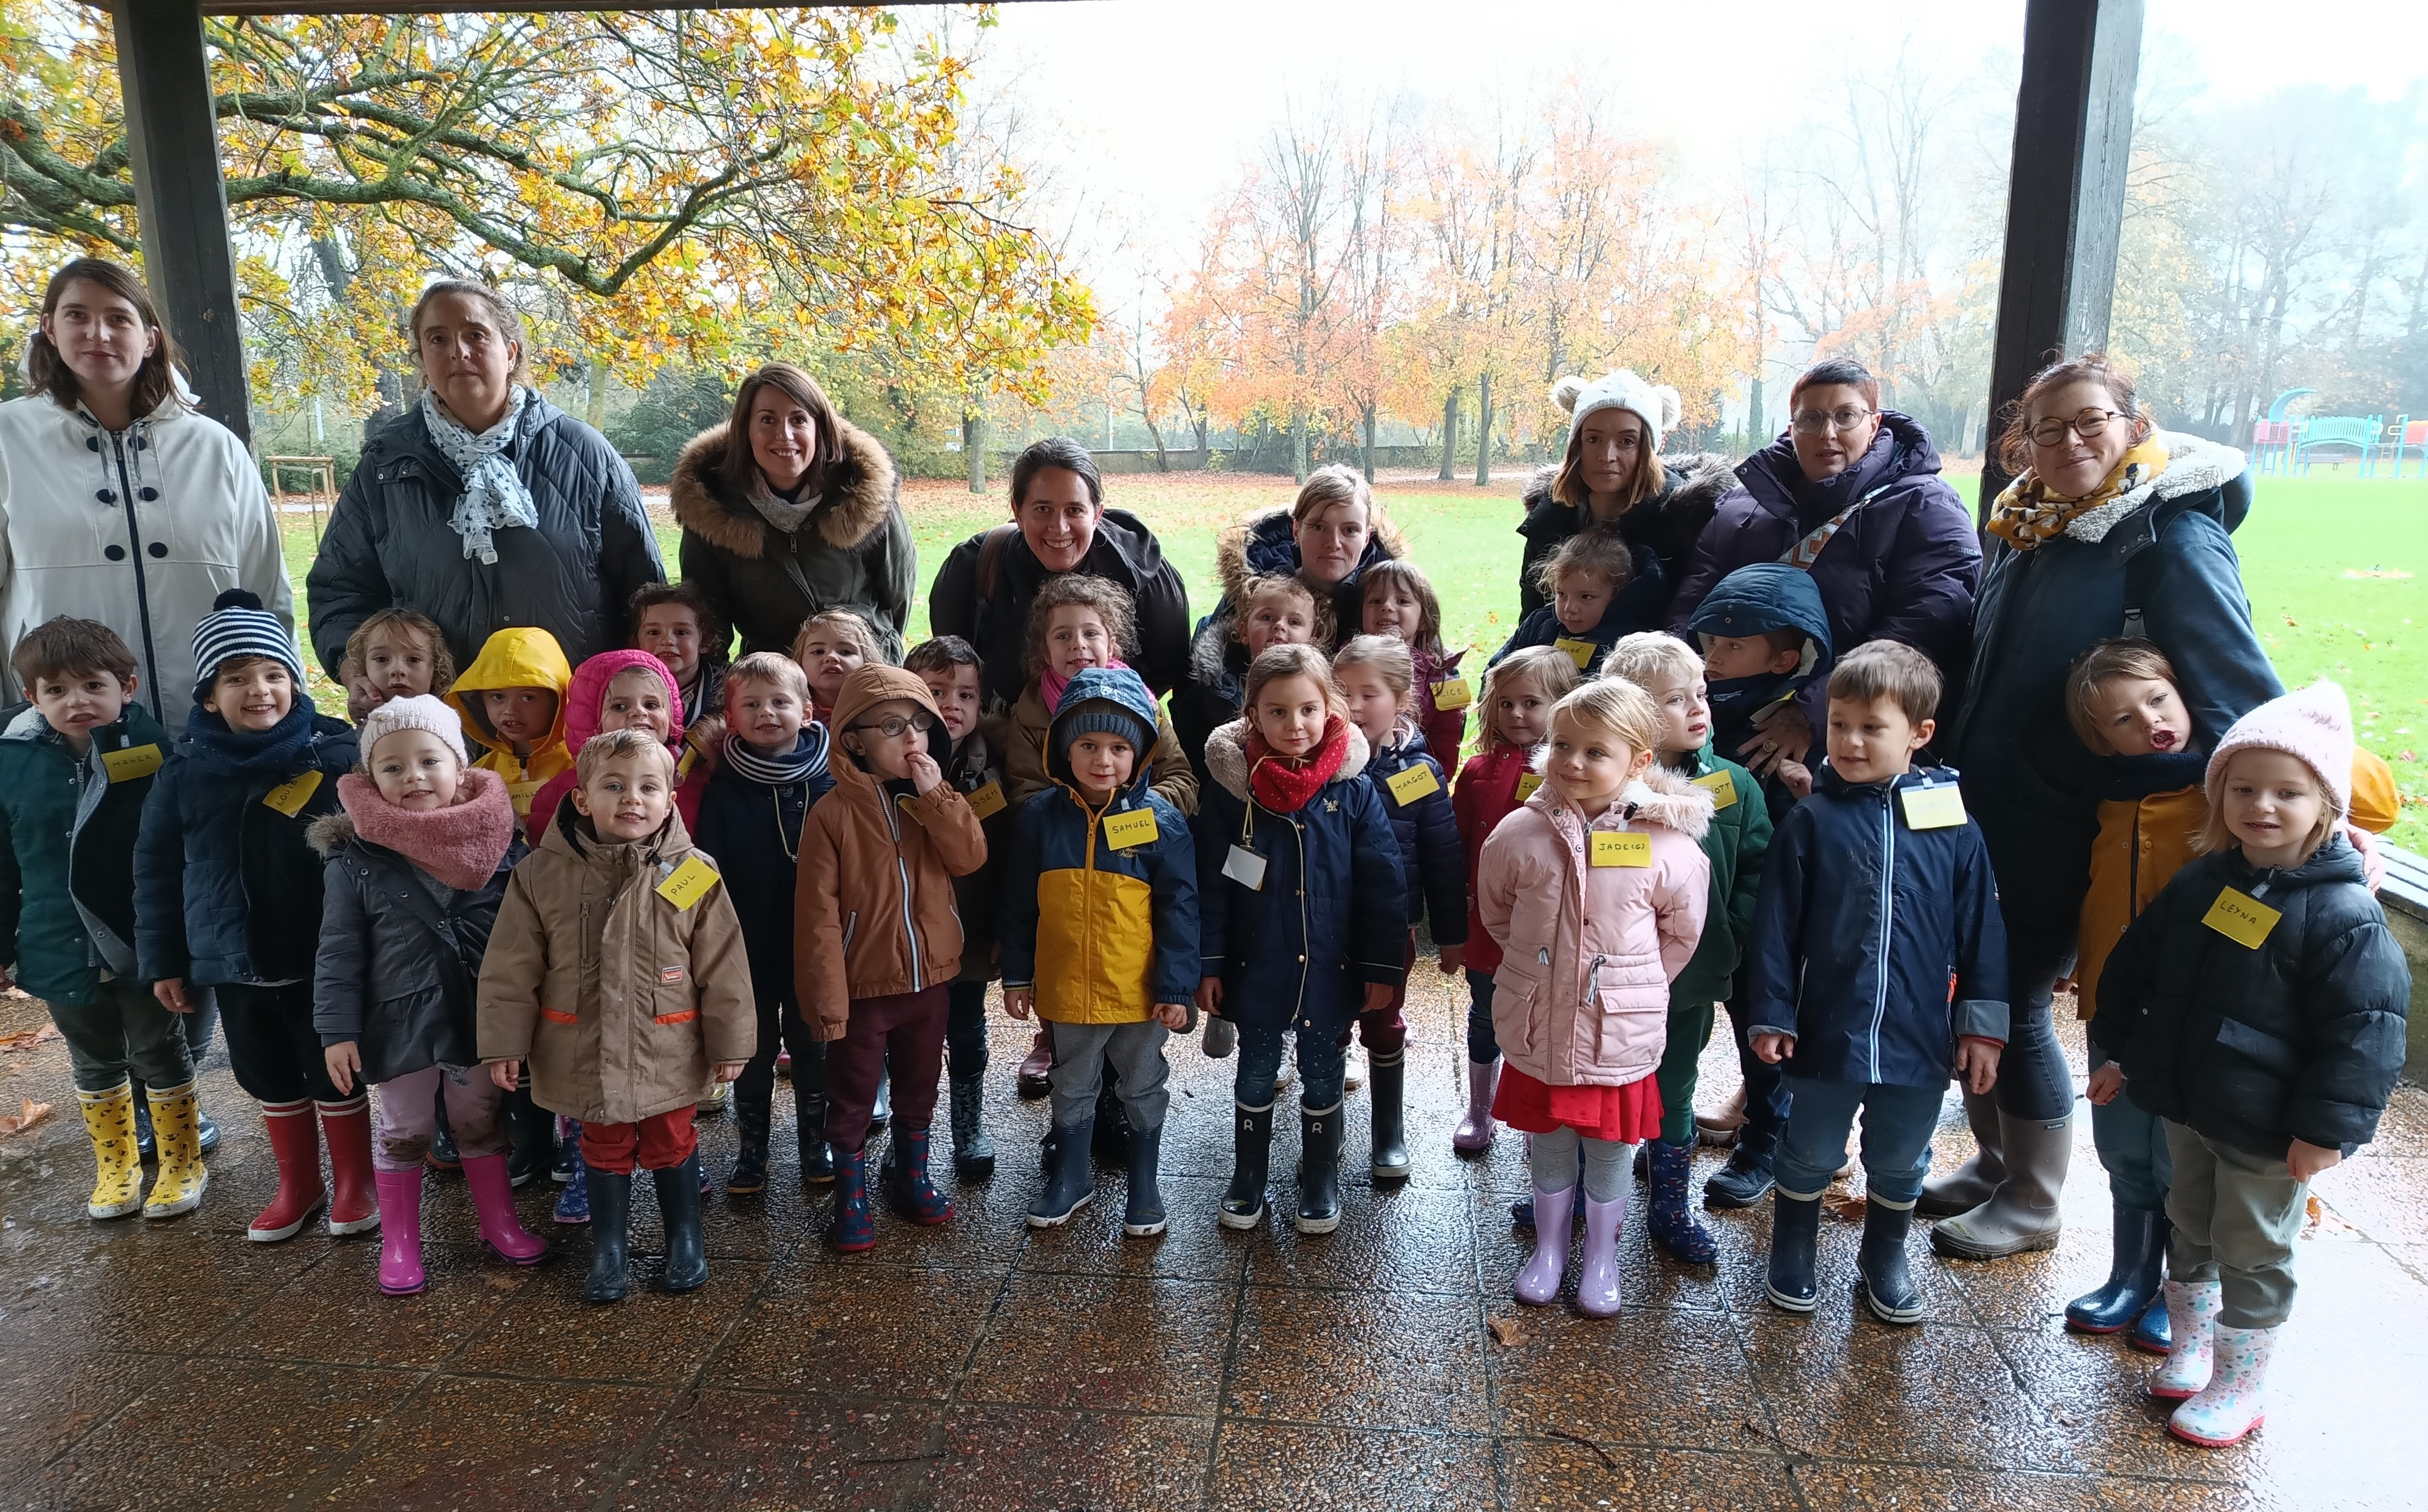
(663, 874)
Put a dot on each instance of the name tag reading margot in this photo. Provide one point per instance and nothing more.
(1134, 828)
(688, 883)
(1415, 783)
(986, 802)
(1580, 652)
(1722, 787)
(1933, 808)
(133, 762)
(2241, 918)
(1246, 867)
(289, 796)
(1455, 694)
(1621, 847)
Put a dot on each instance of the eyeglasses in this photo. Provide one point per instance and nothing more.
(2087, 425)
(892, 726)
(1813, 421)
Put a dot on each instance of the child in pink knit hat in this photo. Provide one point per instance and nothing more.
(2258, 1009)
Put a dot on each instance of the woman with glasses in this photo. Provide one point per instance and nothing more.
(2110, 527)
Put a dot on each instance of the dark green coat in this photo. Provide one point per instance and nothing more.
(67, 871)
(1736, 842)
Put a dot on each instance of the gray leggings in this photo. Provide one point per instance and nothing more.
(123, 1029)
(1553, 1159)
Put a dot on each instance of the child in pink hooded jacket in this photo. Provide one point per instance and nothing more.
(623, 690)
(1595, 890)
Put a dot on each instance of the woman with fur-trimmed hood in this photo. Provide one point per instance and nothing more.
(788, 509)
(1612, 476)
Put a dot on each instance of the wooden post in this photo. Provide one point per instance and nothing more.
(2065, 194)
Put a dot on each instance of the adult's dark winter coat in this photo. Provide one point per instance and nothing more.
(1660, 533)
(2300, 1038)
(854, 551)
(1124, 551)
(389, 543)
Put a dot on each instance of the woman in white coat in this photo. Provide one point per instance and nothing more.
(120, 502)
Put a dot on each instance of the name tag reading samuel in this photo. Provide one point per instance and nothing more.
(1134, 828)
(2241, 918)
(1621, 847)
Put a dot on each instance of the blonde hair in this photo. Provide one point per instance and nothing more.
(1396, 572)
(2104, 662)
(849, 625)
(771, 669)
(1282, 585)
(1388, 655)
(1549, 668)
(2214, 835)
(1648, 655)
(1278, 662)
(412, 621)
(1593, 550)
(1620, 707)
(1326, 487)
(617, 745)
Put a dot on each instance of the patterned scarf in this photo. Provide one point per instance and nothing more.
(786, 515)
(2027, 513)
(494, 497)
(805, 761)
(1287, 786)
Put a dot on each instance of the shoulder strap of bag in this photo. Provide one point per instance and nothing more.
(1802, 553)
(991, 560)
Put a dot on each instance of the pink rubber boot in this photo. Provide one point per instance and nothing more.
(400, 1202)
(493, 1198)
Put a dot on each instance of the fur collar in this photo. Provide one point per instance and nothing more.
(2194, 466)
(1659, 796)
(1697, 482)
(1226, 759)
(1231, 549)
(862, 489)
(329, 833)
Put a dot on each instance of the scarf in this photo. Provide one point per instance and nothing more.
(225, 751)
(1050, 685)
(460, 844)
(1287, 786)
(786, 515)
(2027, 513)
(805, 763)
(494, 497)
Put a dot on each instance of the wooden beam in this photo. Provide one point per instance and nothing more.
(2065, 193)
(180, 197)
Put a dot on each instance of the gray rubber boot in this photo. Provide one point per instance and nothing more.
(1969, 1184)
(2022, 1214)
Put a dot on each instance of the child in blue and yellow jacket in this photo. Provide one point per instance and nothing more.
(1101, 892)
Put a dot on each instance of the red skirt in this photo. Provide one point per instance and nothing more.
(1628, 1114)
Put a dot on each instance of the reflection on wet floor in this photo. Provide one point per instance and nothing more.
(982, 1365)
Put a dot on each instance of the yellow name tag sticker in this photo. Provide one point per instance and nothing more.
(1933, 808)
(2241, 918)
(988, 801)
(1527, 783)
(1580, 652)
(133, 762)
(1621, 847)
(690, 760)
(522, 794)
(1133, 828)
(289, 796)
(1455, 694)
(688, 883)
(1415, 783)
(1722, 787)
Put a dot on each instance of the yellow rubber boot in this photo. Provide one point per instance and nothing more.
(109, 1119)
(178, 1138)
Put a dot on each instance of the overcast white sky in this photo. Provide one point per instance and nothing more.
(1155, 104)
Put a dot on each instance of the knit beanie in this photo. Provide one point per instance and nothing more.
(1102, 717)
(238, 626)
(419, 711)
(2314, 725)
(1657, 405)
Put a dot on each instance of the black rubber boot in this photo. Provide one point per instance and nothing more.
(1319, 1170)
(1387, 1087)
(1111, 1143)
(679, 1205)
(752, 1116)
(1886, 1282)
(531, 1131)
(973, 1152)
(611, 1218)
(2133, 1275)
(1795, 1240)
(810, 1117)
(1142, 1213)
(1070, 1177)
(1251, 1159)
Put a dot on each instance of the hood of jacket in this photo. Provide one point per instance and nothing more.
(873, 684)
(1261, 546)
(1668, 521)
(1659, 796)
(2196, 477)
(1226, 758)
(578, 716)
(1767, 596)
(523, 657)
(563, 837)
(1115, 685)
(858, 492)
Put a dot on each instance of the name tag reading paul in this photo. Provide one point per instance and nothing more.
(2241, 918)
(1134, 828)
(1621, 847)
(688, 883)
(1415, 783)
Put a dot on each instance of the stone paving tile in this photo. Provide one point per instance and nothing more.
(1023, 1456)
(1105, 1343)
(1194, 1248)
(50, 1398)
(104, 1286)
(1412, 1238)
(335, 1313)
(1837, 1485)
(476, 1442)
(1542, 1475)
(830, 1328)
(804, 1454)
(1390, 1361)
(1273, 1466)
(652, 1337)
(1646, 1377)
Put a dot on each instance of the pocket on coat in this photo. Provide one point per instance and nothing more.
(1516, 996)
(2258, 1046)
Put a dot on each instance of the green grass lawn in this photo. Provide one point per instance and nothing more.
(2336, 569)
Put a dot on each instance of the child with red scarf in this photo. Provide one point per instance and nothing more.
(1302, 915)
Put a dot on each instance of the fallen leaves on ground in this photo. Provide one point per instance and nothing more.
(1505, 1332)
(29, 1113)
(1849, 1206)
(27, 1038)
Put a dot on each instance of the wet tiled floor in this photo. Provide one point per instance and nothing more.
(172, 1365)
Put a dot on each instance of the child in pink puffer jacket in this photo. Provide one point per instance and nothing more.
(1595, 892)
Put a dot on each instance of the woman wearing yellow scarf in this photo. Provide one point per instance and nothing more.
(2111, 528)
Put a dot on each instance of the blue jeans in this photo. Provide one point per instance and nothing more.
(1897, 1125)
(2132, 1144)
(1482, 1045)
(1321, 1064)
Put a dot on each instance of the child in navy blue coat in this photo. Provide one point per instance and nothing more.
(1302, 915)
(1587, 612)
(772, 767)
(1874, 889)
(1377, 677)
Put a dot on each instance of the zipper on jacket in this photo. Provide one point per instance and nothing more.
(901, 870)
(134, 559)
(850, 923)
(1888, 917)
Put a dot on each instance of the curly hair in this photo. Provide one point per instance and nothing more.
(1110, 602)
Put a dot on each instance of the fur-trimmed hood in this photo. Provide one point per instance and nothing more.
(862, 489)
(329, 833)
(1226, 758)
(1668, 521)
(2193, 467)
(1659, 796)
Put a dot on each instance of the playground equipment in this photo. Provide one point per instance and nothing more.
(2280, 443)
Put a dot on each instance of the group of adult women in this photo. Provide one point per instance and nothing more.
(482, 506)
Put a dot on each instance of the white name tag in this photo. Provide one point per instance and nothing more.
(1246, 867)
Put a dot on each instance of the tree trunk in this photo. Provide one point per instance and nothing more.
(973, 443)
(1298, 443)
(596, 410)
(1484, 430)
(1369, 443)
(1449, 434)
(1757, 433)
